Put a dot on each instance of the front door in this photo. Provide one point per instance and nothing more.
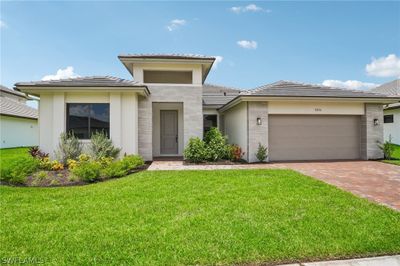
(169, 131)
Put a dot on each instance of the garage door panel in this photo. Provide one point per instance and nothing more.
(311, 137)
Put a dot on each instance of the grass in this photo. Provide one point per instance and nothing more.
(396, 156)
(8, 155)
(194, 217)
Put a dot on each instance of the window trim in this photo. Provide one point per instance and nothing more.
(67, 112)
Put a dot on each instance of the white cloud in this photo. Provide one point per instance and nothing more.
(247, 44)
(384, 66)
(65, 73)
(3, 25)
(175, 24)
(349, 84)
(248, 8)
(218, 59)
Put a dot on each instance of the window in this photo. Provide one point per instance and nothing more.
(83, 119)
(174, 77)
(388, 119)
(209, 121)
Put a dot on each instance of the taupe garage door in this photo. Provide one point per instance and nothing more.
(314, 137)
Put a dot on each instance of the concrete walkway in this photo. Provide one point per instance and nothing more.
(374, 261)
(376, 181)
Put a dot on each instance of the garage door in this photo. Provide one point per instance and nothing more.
(314, 137)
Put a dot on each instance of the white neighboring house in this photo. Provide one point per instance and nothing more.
(18, 122)
(391, 112)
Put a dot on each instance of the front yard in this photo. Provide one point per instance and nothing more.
(396, 156)
(194, 217)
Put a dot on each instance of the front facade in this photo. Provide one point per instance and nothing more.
(167, 103)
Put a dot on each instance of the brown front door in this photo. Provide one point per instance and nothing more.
(169, 131)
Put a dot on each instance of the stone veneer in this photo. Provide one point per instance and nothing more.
(256, 133)
(191, 98)
(371, 134)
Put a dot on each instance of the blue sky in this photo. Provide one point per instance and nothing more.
(258, 42)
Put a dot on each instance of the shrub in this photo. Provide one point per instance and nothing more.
(69, 147)
(57, 166)
(83, 158)
(236, 153)
(101, 146)
(87, 171)
(41, 175)
(115, 169)
(195, 150)
(123, 166)
(105, 161)
(19, 169)
(71, 164)
(215, 144)
(132, 161)
(262, 153)
(37, 153)
(45, 163)
(387, 147)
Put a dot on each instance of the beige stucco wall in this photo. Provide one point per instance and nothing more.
(235, 124)
(392, 129)
(123, 117)
(314, 108)
(18, 132)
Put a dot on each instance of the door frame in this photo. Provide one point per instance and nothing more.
(176, 129)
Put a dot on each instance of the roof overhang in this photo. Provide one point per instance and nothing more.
(259, 98)
(206, 63)
(19, 116)
(41, 89)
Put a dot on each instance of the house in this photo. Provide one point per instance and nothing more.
(167, 102)
(391, 112)
(18, 122)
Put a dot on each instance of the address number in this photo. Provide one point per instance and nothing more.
(317, 109)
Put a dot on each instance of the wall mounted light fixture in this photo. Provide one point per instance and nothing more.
(259, 122)
(376, 122)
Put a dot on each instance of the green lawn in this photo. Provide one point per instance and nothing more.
(194, 217)
(7, 155)
(396, 156)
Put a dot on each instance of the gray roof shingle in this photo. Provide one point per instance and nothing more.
(216, 96)
(92, 81)
(391, 88)
(168, 56)
(297, 89)
(14, 108)
(5, 90)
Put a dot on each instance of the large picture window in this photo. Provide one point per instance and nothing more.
(84, 119)
(209, 121)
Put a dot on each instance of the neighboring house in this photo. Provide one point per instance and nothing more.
(391, 112)
(167, 103)
(18, 122)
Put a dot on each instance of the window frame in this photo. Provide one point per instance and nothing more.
(217, 121)
(389, 117)
(89, 130)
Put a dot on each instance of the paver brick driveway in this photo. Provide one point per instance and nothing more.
(376, 181)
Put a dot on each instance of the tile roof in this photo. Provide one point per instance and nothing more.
(12, 107)
(216, 96)
(391, 88)
(92, 81)
(167, 56)
(5, 90)
(297, 89)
